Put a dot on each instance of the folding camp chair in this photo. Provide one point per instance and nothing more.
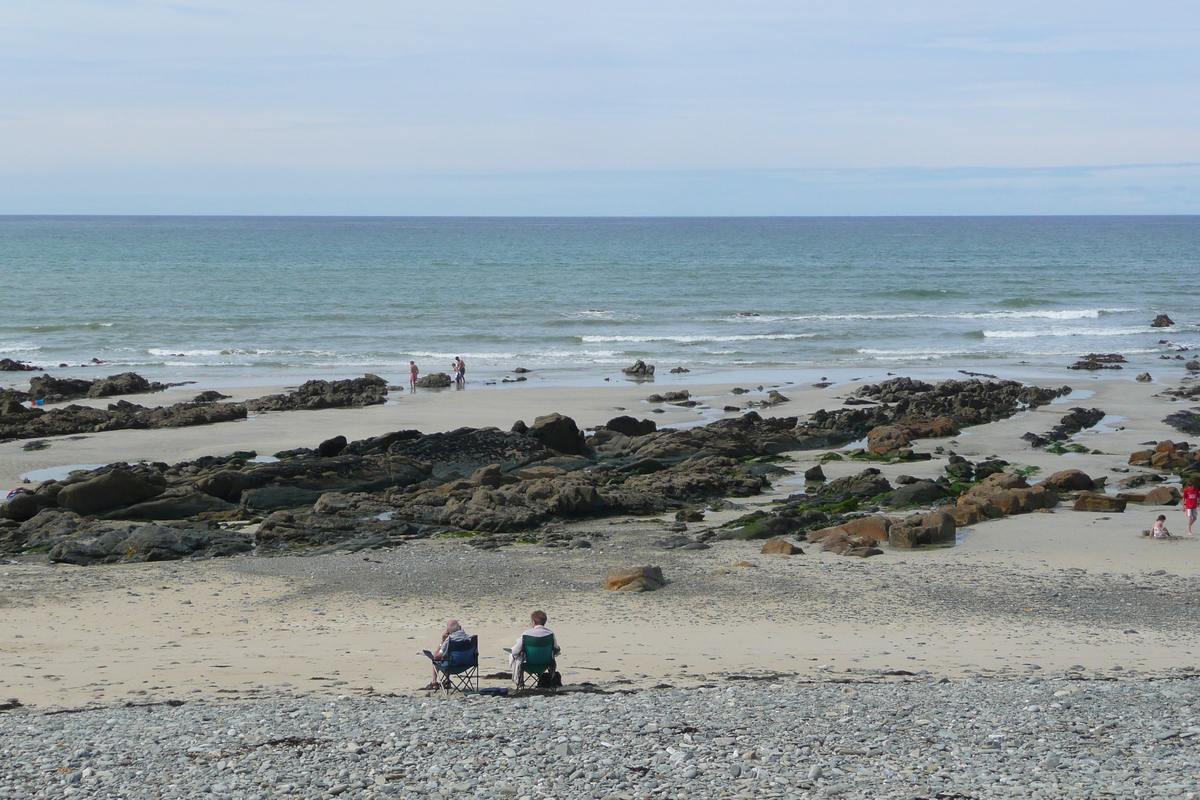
(539, 657)
(459, 669)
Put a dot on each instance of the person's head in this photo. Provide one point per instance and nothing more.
(452, 626)
(538, 617)
(412, 363)
(1162, 517)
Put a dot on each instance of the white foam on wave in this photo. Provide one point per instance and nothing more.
(1058, 314)
(695, 339)
(593, 314)
(19, 347)
(1034, 334)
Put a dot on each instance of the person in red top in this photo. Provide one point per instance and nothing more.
(1191, 498)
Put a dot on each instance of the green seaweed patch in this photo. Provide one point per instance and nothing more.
(741, 522)
(38, 445)
(460, 534)
(863, 455)
(1025, 472)
(825, 459)
(1058, 449)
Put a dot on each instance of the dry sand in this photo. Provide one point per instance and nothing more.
(1045, 590)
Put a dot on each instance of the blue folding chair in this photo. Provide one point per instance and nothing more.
(459, 666)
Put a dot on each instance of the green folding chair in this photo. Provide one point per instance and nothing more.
(539, 657)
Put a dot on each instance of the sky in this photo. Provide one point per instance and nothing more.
(677, 107)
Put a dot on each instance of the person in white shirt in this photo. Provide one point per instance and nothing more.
(539, 629)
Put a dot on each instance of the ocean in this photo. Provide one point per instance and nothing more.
(255, 300)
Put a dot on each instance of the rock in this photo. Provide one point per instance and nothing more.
(814, 474)
(22, 506)
(1089, 501)
(1192, 366)
(866, 484)
(1069, 480)
(8, 365)
(678, 370)
(885, 439)
(689, 515)
(434, 380)
(775, 398)
(780, 547)
(332, 447)
(917, 493)
(630, 426)
(1144, 378)
(211, 396)
(313, 395)
(1162, 321)
(117, 487)
(635, 579)
(1098, 361)
(1162, 496)
(938, 527)
(874, 528)
(125, 383)
(489, 476)
(47, 387)
(558, 432)
(174, 504)
(639, 368)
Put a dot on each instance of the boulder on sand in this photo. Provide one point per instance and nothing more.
(1090, 501)
(115, 488)
(780, 547)
(435, 380)
(634, 579)
(558, 433)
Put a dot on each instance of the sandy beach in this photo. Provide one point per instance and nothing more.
(1053, 591)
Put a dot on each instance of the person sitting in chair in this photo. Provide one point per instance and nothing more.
(453, 632)
(517, 656)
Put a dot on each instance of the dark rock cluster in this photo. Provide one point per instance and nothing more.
(494, 484)
(1071, 424)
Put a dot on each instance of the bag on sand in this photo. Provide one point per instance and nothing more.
(549, 680)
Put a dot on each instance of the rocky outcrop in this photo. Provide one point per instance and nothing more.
(559, 433)
(435, 380)
(36, 423)
(71, 539)
(125, 383)
(116, 487)
(1071, 424)
(634, 579)
(1090, 501)
(924, 408)
(1162, 321)
(628, 426)
(1098, 361)
(1166, 455)
(1185, 421)
(639, 369)
(57, 390)
(8, 365)
(354, 393)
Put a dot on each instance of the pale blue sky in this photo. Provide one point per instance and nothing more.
(298, 107)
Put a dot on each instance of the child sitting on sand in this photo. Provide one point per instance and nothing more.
(1159, 531)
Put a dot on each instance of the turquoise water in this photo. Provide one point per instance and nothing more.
(237, 299)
